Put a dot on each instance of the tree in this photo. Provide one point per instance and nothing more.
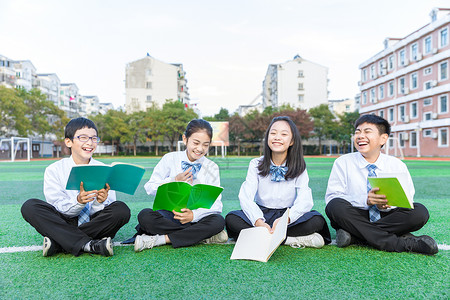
(301, 119)
(112, 126)
(137, 129)
(344, 131)
(13, 119)
(175, 117)
(152, 122)
(323, 123)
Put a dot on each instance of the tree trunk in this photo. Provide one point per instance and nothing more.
(112, 151)
(320, 145)
(156, 148)
(134, 148)
(239, 147)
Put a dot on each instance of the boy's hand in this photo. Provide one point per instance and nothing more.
(261, 223)
(85, 197)
(185, 216)
(376, 199)
(103, 194)
(185, 176)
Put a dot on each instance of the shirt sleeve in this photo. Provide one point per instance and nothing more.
(160, 175)
(212, 178)
(247, 194)
(56, 194)
(303, 202)
(337, 184)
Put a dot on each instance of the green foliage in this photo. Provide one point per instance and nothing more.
(324, 124)
(223, 115)
(344, 131)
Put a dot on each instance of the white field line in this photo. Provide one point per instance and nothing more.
(115, 244)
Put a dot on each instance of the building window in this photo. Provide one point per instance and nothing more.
(443, 137)
(402, 58)
(427, 45)
(391, 62)
(391, 89)
(148, 72)
(382, 67)
(428, 71)
(443, 104)
(414, 51)
(413, 110)
(428, 85)
(413, 139)
(372, 72)
(391, 114)
(443, 37)
(443, 71)
(427, 116)
(391, 141)
(427, 102)
(401, 113)
(381, 113)
(300, 86)
(401, 85)
(414, 83)
(300, 73)
(372, 95)
(381, 91)
(364, 100)
(427, 133)
(301, 98)
(148, 85)
(401, 139)
(149, 98)
(364, 75)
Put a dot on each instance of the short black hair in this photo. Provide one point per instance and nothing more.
(78, 123)
(382, 125)
(198, 125)
(294, 161)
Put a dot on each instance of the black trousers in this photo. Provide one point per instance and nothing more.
(316, 223)
(64, 230)
(181, 235)
(383, 234)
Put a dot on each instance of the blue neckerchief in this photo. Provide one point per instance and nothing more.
(277, 173)
(195, 167)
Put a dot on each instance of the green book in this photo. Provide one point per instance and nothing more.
(121, 177)
(177, 195)
(393, 190)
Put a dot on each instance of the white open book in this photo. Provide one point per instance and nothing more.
(257, 243)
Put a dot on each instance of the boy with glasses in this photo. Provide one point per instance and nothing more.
(76, 221)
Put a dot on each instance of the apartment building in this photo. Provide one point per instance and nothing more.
(150, 81)
(408, 84)
(49, 84)
(298, 82)
(340, 106)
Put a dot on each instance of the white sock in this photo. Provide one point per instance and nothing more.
(160, 240)
(290, 240)
(87, 247)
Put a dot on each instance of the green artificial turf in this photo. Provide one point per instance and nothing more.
(205, 271)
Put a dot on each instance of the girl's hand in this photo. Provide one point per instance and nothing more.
(85, 197)
(261, 223)
(186, 176)
(103, 194)
(185, 216)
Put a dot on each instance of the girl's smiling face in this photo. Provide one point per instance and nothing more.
(197, 145)
(280, 137)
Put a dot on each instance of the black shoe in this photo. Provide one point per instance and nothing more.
(103, 247)
(50, 247)
(343, 238)
(421, 244)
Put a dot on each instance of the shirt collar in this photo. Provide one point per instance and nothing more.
(363, 163)
(200, 160)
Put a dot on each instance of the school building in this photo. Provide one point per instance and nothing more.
(408, 84)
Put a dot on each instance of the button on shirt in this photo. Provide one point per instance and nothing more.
(65, 201)
(258, 190)
(348, 178)
(170, 166)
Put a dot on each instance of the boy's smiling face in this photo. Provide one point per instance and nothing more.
(368, 141)
(82, 151)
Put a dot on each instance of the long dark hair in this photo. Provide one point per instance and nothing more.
(294, 161)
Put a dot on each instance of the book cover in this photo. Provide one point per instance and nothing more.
(177, 195)
(393, 190)
(257, 243)
(121, 177)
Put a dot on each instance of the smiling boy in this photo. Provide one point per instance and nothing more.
(76, 221)
(357, 213)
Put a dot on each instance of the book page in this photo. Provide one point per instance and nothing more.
(125, 177)
(402, 178)
(253, 244)
(392, 189)
(279, 234)
(93, 177)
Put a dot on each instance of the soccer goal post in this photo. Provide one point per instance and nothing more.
(16, 143)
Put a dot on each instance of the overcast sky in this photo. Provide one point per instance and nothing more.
(224, 46)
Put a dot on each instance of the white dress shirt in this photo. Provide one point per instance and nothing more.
(348, 178)
(170, 166)
(257, 190)
(65, 201)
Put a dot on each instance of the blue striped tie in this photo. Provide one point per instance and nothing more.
(195, 167)
(84, 215)
(374, 212)
(277, 173)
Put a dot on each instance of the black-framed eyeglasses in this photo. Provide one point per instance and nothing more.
(85, 138)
